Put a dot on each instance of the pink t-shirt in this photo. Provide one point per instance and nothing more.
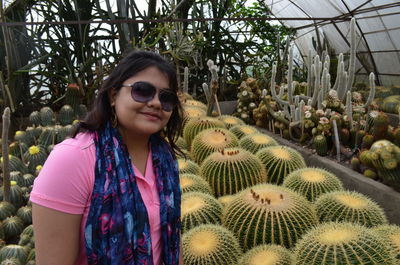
(66, 182)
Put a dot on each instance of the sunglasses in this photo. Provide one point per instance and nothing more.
(144, 92)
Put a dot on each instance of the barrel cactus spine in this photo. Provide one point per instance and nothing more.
(279, 161)
(36, 155)
(256, 141)
(349, 206)
(199, 208)
(209, 141)
(187, 166)
(16, 194)
(25, 214)
(34, 118)
(195, 103)
(47, 136)
(210, 245)
(16, 164)
(191, 182)
(230, 121)
(12, 226)
(268, 213)
(66, 115)
(243, 130)
(232, 170)
(7, 209)
(267, 255)
(312, 182)
(191, 112)
(14, 252)
(391, 235)
(196, 125)
(46, 116)
(342, 244)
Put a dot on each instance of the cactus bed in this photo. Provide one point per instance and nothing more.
(246, 198)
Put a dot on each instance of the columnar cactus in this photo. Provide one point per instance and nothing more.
(279, 161)
(269, 213)
(342, 244)
(231, 170)
(267, 254)
(349, 206)
(312, 182)
(199, 208)
(210, 245)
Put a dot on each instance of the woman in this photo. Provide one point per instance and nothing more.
(110, 194)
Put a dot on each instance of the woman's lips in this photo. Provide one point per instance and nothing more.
(151, 115)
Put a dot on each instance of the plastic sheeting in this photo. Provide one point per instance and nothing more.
(377, 27)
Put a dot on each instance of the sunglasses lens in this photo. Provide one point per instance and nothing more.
(143, 92)
(168, 100)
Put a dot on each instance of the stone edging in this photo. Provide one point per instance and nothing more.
(385, 196)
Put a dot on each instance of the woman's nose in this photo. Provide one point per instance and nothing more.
(155, 101)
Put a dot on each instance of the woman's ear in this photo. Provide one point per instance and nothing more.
(112, 93)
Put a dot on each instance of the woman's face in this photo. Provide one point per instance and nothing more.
(135, 118)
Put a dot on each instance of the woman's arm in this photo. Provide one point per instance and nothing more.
(56, 236)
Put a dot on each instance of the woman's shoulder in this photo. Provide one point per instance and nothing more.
(80, 141)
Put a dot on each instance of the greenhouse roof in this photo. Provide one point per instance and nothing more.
(377, 26)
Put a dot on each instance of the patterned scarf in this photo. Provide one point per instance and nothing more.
(117, 229)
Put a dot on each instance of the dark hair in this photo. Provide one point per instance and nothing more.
(130, 65)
